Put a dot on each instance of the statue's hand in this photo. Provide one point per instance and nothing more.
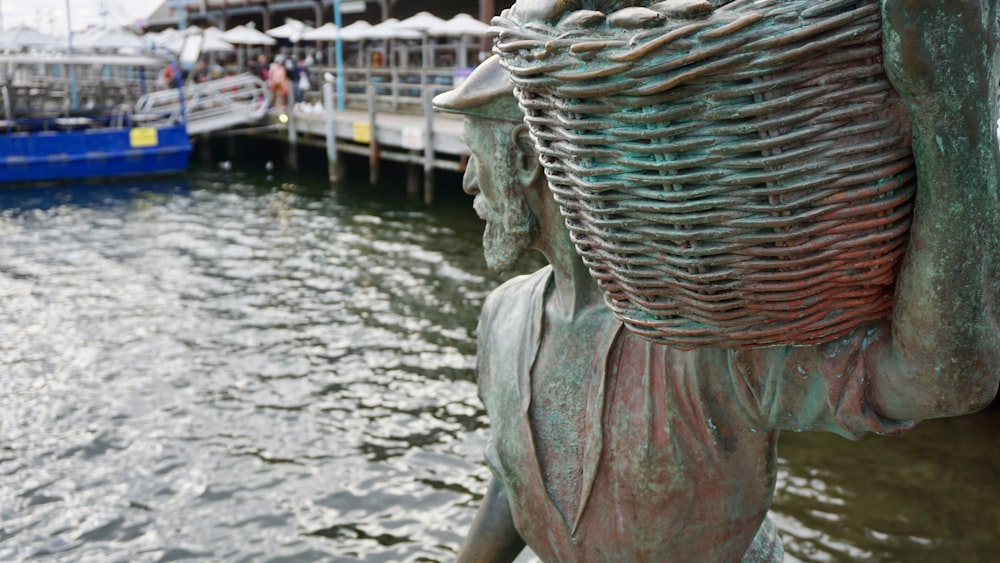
(941, 47)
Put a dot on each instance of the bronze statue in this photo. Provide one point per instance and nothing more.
(609, 447)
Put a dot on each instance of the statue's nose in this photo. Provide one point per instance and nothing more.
(470, 181)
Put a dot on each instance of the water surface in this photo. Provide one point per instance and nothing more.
(239, 367)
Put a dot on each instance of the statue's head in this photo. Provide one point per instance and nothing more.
(503, 166)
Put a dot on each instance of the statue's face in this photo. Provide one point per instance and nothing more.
(491, 176)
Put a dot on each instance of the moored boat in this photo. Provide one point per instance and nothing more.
(71, 117)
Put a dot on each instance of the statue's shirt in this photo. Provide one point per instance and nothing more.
(679, 447)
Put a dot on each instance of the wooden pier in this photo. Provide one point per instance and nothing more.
(381, 129)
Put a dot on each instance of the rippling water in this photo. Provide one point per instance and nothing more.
(234, 368)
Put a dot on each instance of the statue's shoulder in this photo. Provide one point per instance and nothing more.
(518, 294)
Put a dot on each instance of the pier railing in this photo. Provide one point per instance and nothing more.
(388, 115)
(209, 106)
(395, 89)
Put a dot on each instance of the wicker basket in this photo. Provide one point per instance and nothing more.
(740, 179)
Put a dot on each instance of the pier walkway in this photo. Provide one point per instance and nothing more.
(416, 135)
(388, 116)
(398, 137)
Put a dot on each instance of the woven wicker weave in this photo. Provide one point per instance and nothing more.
(737, 180)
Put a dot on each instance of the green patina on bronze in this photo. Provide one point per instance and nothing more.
(609, 447)
(734, 176)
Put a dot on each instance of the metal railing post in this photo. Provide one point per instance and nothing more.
(428, 92)
(293, 134)
(373, 156)
(334, 170)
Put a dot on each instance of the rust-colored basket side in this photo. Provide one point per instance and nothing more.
(739, 180)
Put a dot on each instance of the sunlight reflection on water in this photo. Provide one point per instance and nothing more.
(229, 370)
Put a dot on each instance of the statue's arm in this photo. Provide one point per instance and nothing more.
(492, 537)
(940, 354)
(942, 357)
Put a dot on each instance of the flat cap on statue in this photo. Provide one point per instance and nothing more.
(488, 92)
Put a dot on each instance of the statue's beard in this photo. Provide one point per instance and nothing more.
(509, 232)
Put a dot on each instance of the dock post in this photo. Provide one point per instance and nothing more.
(373, 157)
(413, 177)
(334, 169)
(428, 144)
(204, 148)
(293, 136)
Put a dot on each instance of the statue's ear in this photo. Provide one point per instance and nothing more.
(528, 167)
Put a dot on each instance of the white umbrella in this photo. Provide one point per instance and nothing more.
(23, 37)
(160, 38)
(389, 29)
(421, 22)
(355, 31)
(214, 42)
(351, 33)
(211, 42)
(247, 35)
(462, 25)
(108, 38)
(291, 30)
(325, 32)
(175, 41)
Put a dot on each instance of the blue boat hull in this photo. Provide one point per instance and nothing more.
(46, 156)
